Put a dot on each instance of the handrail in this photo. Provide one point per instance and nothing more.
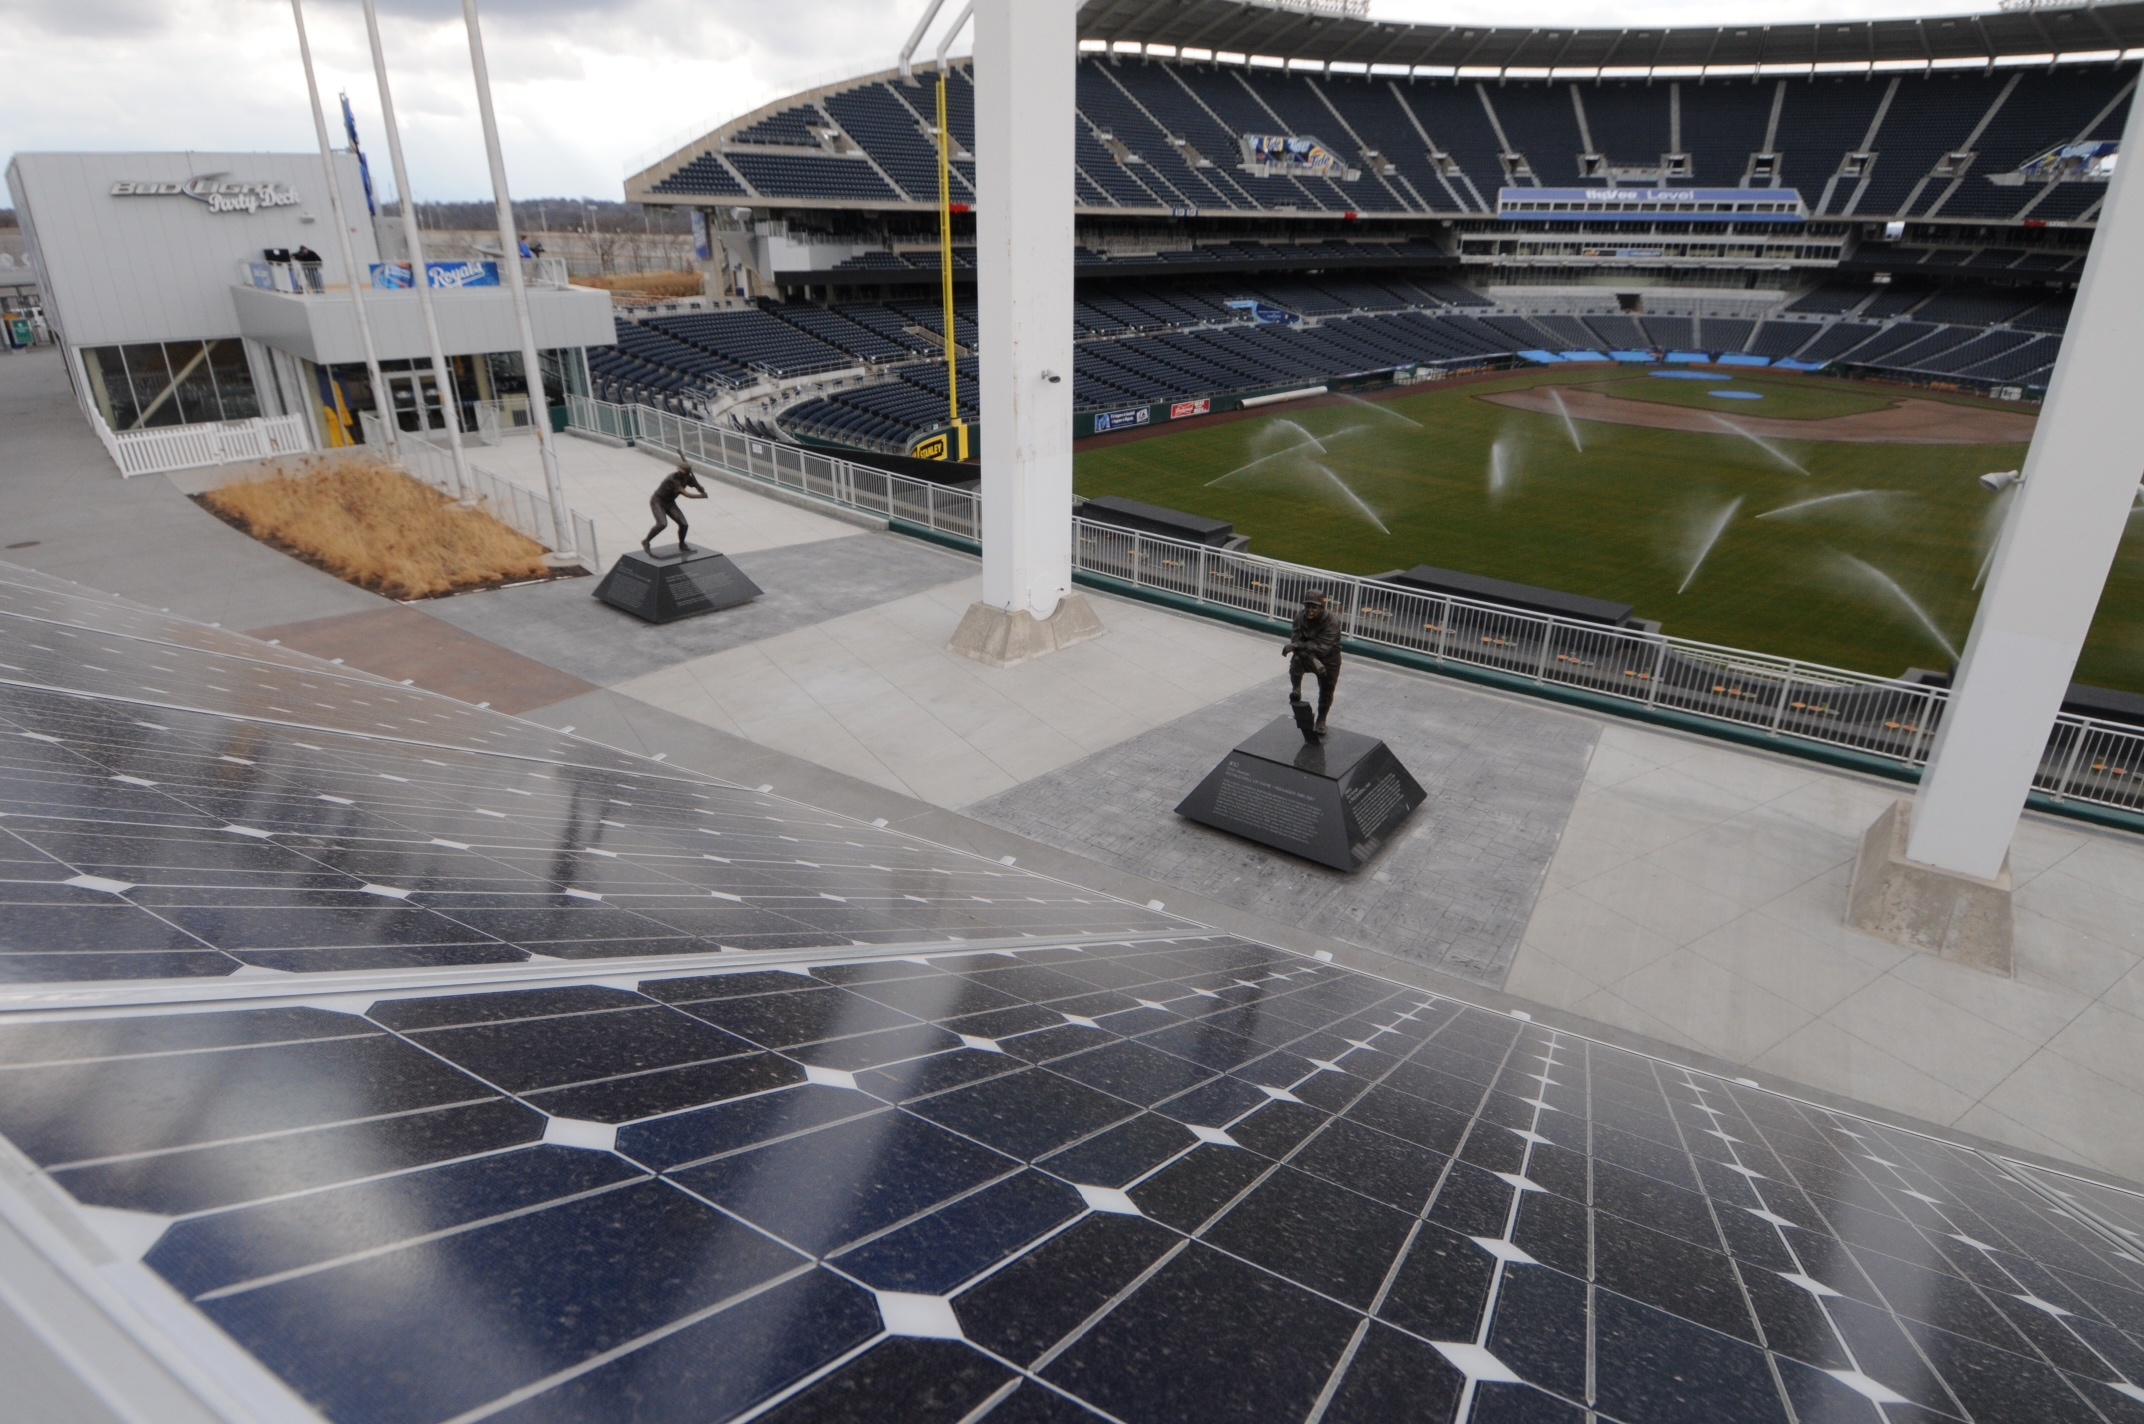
(2086, 760)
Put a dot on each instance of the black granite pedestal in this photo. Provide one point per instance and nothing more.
(1335, 802)
(668, 587)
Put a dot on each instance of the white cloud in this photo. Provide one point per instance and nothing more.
(584, 87)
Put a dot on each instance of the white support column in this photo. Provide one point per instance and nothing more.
(1026, 53)
(2052, 560)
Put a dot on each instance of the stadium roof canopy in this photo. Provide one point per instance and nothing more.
(1343, 32)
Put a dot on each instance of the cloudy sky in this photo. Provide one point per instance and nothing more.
(587, 89)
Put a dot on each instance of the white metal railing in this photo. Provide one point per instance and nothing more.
(187, 447)
(939, 508)
(513, 505)
(2099, 763)
(496, 419)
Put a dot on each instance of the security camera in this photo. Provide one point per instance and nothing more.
(1052, 377)
(1996, 481)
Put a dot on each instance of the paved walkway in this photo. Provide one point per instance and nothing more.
(66, 510)
(1699, 897)
(612, 484)
(877, 695)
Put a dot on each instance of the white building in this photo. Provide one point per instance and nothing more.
(169, 280)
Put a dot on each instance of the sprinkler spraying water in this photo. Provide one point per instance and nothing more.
(1353, 498)
(1761, 443)
(1823, 500)
(1709, 535)
(1503, 467)
(1305, 444)
(1375, 409)
(1869, 574)
(1570, 426)
(1304, 441)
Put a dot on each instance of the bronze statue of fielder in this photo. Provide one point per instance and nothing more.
(1314, 649)
(680, 481)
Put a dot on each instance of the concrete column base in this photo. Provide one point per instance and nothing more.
(1958, 917)
(1001, 638)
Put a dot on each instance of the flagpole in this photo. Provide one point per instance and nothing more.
(381, 406)
(420, 276)
(510, 258)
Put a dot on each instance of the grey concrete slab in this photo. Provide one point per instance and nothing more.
(562, 624)
(140, 538)
(1454, 890)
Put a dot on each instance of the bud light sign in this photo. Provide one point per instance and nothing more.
(396, 275)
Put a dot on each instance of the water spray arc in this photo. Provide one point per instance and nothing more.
(1707, 540)
(1761, 443)
(1386, 411)
(1826, 499)
(1503, 467)
(1305, 442)
(1570, 426)
(1354, 498)
(1869, 573)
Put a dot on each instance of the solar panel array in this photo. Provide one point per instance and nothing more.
(517, 1134)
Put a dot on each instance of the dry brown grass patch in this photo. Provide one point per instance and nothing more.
(368, 522)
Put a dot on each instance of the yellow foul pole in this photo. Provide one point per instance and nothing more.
(945, 265)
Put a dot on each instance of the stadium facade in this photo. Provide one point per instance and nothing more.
(1274, 195)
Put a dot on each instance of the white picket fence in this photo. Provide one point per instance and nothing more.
(189, 447)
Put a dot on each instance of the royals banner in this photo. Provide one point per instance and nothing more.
(395, 276)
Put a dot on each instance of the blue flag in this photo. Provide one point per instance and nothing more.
(364, 169)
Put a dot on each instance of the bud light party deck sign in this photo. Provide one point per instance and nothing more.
(396, 275)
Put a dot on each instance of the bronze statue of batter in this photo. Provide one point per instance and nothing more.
(1314, 649)
(681, 481)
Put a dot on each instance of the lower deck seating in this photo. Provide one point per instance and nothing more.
(1187, 339)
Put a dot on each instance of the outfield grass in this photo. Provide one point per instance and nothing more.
(1443, 477)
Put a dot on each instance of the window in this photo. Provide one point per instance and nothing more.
(171, 383)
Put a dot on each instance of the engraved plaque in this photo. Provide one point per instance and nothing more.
(1336, 802)
(668, 587)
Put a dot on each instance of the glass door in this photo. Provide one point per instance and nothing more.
(415, 397)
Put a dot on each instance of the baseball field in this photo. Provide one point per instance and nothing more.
(1805, 516)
